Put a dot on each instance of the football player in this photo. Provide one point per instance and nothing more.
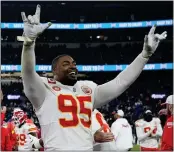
(22, 128)
(103, 138)
(63, 104)
(148, 130)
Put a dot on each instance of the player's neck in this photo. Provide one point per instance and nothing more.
(71, 83)
(65, 82)
(68, 82)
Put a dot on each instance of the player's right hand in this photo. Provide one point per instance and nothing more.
(32, 26)
(151, 42)
(163, 112)
(101, 136)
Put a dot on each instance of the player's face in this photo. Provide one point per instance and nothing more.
(148, 117)
(116, 116)
(15, 121)
(66, 70)
(170, 108)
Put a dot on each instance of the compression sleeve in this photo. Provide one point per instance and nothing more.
(106, 92)
(34, 88)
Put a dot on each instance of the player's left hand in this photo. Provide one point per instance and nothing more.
(101, 136)
(32, 26)
(151, 42)
(163, 112)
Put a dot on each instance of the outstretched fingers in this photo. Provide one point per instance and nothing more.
(37, 13)
(152, 30)
(24, 18)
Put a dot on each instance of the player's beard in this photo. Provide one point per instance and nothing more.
(69, 81)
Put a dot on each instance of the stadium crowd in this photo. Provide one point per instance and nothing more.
(102, 54)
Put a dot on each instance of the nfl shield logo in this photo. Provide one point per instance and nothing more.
(86, 90)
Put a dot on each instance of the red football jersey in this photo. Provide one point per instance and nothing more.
(12, 133)
(167, 139)
(5, 139)
(2, 117)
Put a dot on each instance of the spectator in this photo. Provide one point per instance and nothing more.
(5, 139)
(167, 137)
(122, 132)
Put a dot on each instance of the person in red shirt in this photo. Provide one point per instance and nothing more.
(165, 111)
(13, 136)
(167, 137)
(5, 139)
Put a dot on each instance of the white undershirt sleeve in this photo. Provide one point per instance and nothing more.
(34, 88)
(106, 92)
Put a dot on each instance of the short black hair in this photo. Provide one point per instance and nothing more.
(55, 60)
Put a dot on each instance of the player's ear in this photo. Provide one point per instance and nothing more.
(54, 70)
(170, 107)
(55, 74)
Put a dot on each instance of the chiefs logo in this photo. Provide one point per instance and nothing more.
(86, 90)
(56, 88)
(52, 81)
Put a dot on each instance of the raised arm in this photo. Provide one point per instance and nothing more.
(33, 86)
(106, 92)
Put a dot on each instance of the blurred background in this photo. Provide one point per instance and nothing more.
(95, 47)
